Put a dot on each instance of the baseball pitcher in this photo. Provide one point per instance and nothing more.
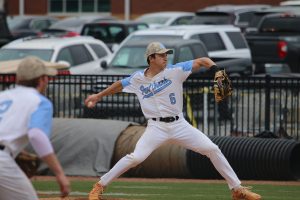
(159, 89)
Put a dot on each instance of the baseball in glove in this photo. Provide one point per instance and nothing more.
(222, 86)
(28, 162)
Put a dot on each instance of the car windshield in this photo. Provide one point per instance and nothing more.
(12, 54)
(133, 57)
(106, 33)
(154, 19)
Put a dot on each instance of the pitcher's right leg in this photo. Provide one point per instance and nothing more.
(152, 138)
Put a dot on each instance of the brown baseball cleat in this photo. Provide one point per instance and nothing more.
(244, 193)
(96, 192)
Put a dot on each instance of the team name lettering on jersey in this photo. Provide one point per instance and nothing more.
(155, 87)
(4, 106)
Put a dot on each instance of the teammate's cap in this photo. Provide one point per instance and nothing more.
(157, 47)
(32, 67)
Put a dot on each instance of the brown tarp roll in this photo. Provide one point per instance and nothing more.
(167, 161)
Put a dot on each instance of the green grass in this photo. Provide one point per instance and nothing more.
(172, 191)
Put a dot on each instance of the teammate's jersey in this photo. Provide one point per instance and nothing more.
(21, 109)
(160, 96)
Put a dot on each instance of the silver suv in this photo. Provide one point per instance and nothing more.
(222, 41)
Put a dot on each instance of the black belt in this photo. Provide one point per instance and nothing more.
(2, 148)
(166, 119)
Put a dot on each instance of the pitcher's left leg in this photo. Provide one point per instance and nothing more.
(219, 161)
(192, 138)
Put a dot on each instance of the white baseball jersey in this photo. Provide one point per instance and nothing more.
(21, 109)
(161, 95)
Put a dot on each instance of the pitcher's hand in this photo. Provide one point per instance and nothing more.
(91, 100)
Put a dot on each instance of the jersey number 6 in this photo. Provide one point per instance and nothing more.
(172, 98)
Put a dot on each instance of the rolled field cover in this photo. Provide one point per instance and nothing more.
(251, 159)
(168, 161)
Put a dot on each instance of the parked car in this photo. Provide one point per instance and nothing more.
(130, 56)
(10, 67)
(75, 24)
(258, 15)
(290, 3)
(127, 58)
(160, 19)
(5, 35)
(238, 15)
(275, 46)
(82, 53)
(112, 33)
(223, 43)
(23, 26)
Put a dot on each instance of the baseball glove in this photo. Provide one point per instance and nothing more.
(222, 86)
(28, 162)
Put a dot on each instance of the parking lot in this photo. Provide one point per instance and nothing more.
(222, 32)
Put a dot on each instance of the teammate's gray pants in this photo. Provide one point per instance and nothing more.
(179, 132)
(14, 184)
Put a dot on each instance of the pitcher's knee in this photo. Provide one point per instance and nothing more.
(213, 149)
(134, 160)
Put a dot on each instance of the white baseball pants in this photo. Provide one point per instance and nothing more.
(179, 132)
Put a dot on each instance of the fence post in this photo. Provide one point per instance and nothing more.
(267, 102)
(205, 109)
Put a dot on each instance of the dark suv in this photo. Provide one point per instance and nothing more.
(112, 33)
(258, 15)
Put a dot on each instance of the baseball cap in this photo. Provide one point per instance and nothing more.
(157, 47)
(32, 67)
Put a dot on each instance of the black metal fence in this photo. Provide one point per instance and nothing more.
(259, 106)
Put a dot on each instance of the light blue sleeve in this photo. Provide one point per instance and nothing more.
(125, 82)
(185, 66)
(42, 117)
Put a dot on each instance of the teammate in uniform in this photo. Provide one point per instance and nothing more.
(26, 116)
(160, 92)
